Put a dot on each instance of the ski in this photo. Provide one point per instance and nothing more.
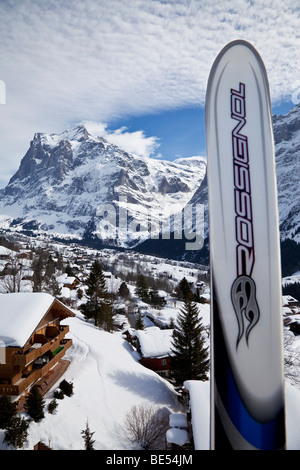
(247, 379)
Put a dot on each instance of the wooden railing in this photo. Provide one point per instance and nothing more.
(31, 355)
(35, 374)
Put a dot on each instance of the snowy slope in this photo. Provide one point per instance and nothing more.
(107, 381)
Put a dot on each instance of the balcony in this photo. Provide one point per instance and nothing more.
(39, 349)
(37, 373)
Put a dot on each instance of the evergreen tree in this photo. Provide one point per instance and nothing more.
(66, 387)
(155, 299)
(124, 291)
(139, 324)
(98, 307)
(50, 267)
(37, 277)
(69, 271)
(52, 287)
(7, 411)
(190, 358)
(35, 404)
(52, 406)
(142, 289)
(17, 432)
(183, 290)
(87, 436)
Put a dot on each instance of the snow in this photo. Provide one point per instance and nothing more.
(14, 308)
(199, 393)
(107, 381)
(108, 378)
(178, 420)
(5, 251)
(177, 436)
(155, 342)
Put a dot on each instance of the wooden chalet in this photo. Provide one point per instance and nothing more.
(154, 345)
(71, 282)
(32, 339)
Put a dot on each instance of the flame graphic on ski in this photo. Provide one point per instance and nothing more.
(245, 305)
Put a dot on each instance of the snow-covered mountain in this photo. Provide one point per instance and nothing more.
(78, 185)
(287, 152)
(287, 146)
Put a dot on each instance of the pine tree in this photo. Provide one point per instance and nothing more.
(7, 411)
(98, 307)
(154, 298)
(35, 404)
(190, 358)
(183, 290)
(37, 277)
(139, 324)
(17, 432)
(50, 267)
(142, 289)
(124, 291)
(52, 287)
(87, 436)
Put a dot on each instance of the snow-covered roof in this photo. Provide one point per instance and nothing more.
(177, 436)
(199, 392)
(287, 299)
(155, 342)
(65, 279)
(20, 313)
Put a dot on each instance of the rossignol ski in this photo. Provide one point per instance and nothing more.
(247, 380)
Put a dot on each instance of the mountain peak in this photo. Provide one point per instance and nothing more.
(64, 178)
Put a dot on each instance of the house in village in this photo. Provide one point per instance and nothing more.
(32, 341)
(70, 282)
(154, 345)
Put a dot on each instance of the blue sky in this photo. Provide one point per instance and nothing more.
(138, 67)
(180, 133)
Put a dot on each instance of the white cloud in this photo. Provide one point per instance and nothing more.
(133, 142)
(66, 61)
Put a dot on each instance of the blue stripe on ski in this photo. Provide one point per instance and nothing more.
(262, 436)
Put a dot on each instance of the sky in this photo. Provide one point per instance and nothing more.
(137, 67)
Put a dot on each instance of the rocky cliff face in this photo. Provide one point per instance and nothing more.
(65, 182)
(287, 149)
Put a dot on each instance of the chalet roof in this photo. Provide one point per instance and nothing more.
(20, 314)
(155, 342)
(65, 279)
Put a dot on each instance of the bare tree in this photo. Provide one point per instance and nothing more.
(11, 281)
(146, 426)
